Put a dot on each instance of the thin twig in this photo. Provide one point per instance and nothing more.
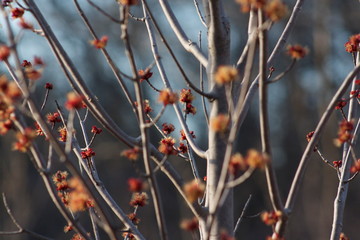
(20, 228)
(281, 75)
(45, 99)
(103, 12)
(202, 20)
(241, 179)
(201, 73)
(242, 214)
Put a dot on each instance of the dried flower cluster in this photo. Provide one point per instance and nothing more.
(146, 106)
(353, 45)
(275, 10)
(131, 154)
(24, 139)
(136, 185)
(194, 190)
(72, 192)
(187, 97)
(297, 51)
(167, 146)
(220, 123)
(9, 94)
(144, 75)
(100, 43)
(33, 71)
(344, 132)
(270, 218)
(167, 97)
(167, 128)
(190, 224)
(139, 199)
(253, 159)
(225, 74)
(74, 101)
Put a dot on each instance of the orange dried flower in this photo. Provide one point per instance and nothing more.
(24, 140)
(220, 123)
(237, 162)
(341, 104)
(167, 146)
(135, 184)
(167, 128)
(190, 224)
(53, 118)
(79, 198)
(134, 218)
(189, 108)
(77, 236)
(128, 236)
(131, 154)
(297, 51)
(186, 96)
(87, 153)
(337, 164)
(353, 45)
(309, 136)
(356, 167)
(194, 190)
(32, 73)
(38, 130)
(26, 64)
(183, 136)
(96, 130)
(49, 86)
(63, 134)
(344, 132)
(139, 199)
(5, 126)
(100, 43)
(68, 228)
(276, 10)
(246, 4)
(38, 61)
(270, 218)
(182, 148)
(4, 52)
(144, 75)
(256, 159)
(225, 236)
(12, 93)
(343, 237)
(60, 176)
(74, 101)
(225, 74)
(17, 12)
(166, 97)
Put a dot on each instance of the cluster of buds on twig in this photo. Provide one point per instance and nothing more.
(253, 159)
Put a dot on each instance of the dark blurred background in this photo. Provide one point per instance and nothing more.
(296, 104)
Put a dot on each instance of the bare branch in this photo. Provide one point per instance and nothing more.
(179, 32)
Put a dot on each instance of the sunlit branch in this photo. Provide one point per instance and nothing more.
(179, 32)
